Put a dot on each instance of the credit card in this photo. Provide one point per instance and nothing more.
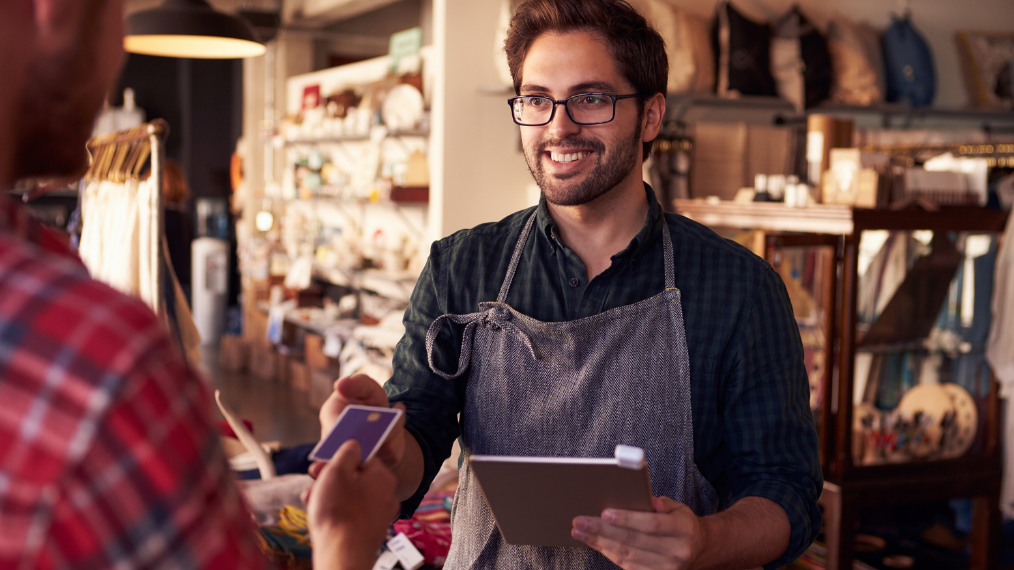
(366, 424)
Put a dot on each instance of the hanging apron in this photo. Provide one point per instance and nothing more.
(571, 389)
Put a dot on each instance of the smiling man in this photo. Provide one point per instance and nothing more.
(595, 319)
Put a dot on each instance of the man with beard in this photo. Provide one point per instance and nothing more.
(594, 319)
(108, 456)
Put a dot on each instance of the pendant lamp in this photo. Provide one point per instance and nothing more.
(190, 28)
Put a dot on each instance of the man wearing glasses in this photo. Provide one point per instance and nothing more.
(594, 319)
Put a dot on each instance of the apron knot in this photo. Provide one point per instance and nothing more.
(496, 317)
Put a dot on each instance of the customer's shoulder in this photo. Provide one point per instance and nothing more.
(491, 235)
(61, 305)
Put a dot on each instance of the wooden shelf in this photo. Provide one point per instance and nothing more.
(768, 216)
(350, 138)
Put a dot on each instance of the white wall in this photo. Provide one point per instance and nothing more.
(483, 171)
(936, 20)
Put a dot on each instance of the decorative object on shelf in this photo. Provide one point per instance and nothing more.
(403, 107)
(688, 45)
(824, 132)
(909, 65)
(742, 48)
(800, 60)
(857, 62)
(988, 63)
(191, 29)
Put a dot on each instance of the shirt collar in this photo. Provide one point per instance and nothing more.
(649, 231)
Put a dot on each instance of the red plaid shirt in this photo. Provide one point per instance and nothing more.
(108, 457)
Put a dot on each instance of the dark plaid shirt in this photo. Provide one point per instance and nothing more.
(753, 429)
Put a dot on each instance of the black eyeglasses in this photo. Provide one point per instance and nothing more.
(583, 109)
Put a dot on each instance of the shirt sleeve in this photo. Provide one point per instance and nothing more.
(432, 403)
(154, 489)
(767, 417)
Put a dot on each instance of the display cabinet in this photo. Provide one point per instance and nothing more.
(894, 312)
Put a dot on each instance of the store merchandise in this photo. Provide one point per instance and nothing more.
(1001, 357)
(800, 60)
(857, 62)
(687, 42)
(908, 64)
(742, 53)
(694, 54)
(117, 237)
(824, 132)
(988, 62)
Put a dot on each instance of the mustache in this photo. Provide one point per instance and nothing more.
(571, 142)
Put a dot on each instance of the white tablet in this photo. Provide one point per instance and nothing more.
(535, 499)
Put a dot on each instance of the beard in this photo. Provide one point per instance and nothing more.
(609, 170)
(58, 105)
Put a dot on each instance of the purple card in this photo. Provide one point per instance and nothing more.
(366, 424)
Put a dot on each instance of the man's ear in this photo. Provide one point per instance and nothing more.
(654, 112)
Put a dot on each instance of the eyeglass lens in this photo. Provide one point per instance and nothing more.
(586, 108)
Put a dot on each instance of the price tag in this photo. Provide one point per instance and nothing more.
(407, 554)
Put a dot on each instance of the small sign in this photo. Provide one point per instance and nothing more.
(404, 44)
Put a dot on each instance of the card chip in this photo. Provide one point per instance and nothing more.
(373, 417)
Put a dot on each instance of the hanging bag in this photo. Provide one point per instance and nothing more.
(909, 65)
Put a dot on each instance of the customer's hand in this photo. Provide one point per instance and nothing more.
(365, 391)
(350, 509)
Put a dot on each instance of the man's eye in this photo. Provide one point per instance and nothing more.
(538, 101)
(591, 100)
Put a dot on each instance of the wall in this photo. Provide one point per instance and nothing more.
(484, 176)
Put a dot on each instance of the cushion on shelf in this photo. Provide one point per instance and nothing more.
(800, 60)
(687, 44)
(988, 63)
(742, 51)
(857, 62)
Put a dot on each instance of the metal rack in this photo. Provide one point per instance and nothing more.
(121, 156)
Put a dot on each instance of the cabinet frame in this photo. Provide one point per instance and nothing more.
(850, 488)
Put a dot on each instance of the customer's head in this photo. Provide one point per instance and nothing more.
(72, 65)
(175, 189)
(637, 49)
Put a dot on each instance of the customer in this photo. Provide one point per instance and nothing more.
(108, 457)
(179, 231)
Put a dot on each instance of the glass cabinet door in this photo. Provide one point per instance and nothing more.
(921, 383)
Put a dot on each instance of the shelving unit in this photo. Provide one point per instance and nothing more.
(850, 487)
(350, 138)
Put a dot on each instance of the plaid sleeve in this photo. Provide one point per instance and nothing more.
(768, 422)
(154, 490)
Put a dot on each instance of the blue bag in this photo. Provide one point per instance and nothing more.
(908, 65)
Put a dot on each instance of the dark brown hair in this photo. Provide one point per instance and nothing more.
(637, 48)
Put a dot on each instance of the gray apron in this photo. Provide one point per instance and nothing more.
(571, 389)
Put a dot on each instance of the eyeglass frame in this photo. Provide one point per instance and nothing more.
(613, 97)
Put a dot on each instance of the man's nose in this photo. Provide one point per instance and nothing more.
(561, 126)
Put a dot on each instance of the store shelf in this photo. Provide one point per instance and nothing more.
(351, 138)
(397, 286)
(768, 216)
(693, 108)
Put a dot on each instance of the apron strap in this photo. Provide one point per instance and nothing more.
(667, 253)
(494, 316)
(516, 259)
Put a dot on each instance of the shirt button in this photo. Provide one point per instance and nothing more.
(574, 282)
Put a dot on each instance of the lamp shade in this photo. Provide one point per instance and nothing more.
(190, 28)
